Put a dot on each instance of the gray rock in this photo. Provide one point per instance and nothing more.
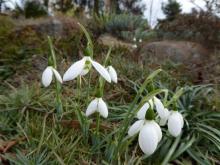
(184, 52)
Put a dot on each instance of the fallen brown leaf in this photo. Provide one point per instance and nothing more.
(6, 145)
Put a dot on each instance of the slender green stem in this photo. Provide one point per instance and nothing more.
(88, 88)
(97, 134)
(59, 106)
(52, 53)
(89, 49)
(171, 151)
(79, 114)
(97, 126)
(97, 123)
(125, 125)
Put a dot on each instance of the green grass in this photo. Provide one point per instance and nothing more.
(27, 112)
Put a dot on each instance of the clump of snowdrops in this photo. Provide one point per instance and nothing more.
(151, 112)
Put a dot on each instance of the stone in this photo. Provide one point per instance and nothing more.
(184, 52)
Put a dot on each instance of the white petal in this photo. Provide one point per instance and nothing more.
(148, 139)
(84, 72)
(175, 124)
(102, 108)
(102, 71)
(92, 108)
(113, 74)
(181, 119)
(159, 107)
(142, 112)
(57, 75)
(136, 127)
(87, 66)
(158, 130)
(74, 70)
(163, 121)
(47, 76)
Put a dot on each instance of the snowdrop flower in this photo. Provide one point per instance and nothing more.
(159, 107)
(134, 39)
(143, 110)
(150, 132)
(48, 75)
(82, 67)
(148, 137)
(113, 74)
(134, 46)
(163, 120)
(97, 105)
(174, 118)
(140, 40)
(175, 123)
(161, 110)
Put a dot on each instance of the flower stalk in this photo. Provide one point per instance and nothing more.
(59, 106)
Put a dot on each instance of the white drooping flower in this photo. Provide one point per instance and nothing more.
(148, 138)
(113, 74)
(163, 113)
(47, 76)
(150, 132)
(163, 120)
(159, 107)
(175, 123)
(134, 46)
(97, 105)
(143, 110)
(82, 67)
(175, 119)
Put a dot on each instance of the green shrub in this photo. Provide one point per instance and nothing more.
(200, 27)
(33, 9)
(172, 9)
(127, 26)
(123, 26)
(30, 9)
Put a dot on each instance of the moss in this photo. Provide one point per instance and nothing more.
(6, 26)
(18, 45)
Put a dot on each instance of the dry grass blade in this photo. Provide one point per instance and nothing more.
(5, 146)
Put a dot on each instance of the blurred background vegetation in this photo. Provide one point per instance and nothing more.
(185, 46)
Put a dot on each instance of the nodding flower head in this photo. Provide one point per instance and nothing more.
(150, 135)
(113, 74)
(47, 76)
(134, 46)
(174, 118)
(150, 132)
(97, 105)
(82, 67)
(175, 123)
